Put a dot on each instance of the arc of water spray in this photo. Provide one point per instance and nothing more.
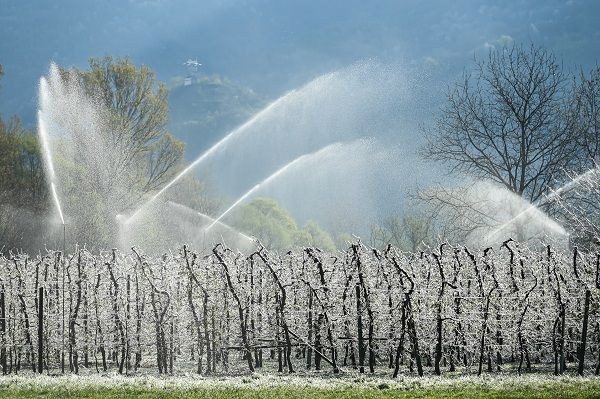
(203, 215)
(236, 203)
(57, 202)
(272, 177)
(543, 201)
(212, 150)
(47, 152)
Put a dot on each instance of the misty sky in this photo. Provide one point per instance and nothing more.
(272, 46)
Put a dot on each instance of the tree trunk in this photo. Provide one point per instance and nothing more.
(584, 328)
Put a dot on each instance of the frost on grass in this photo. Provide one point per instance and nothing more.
(266, 381)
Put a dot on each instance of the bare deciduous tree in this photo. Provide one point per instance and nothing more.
(576, 203)
(586, 116)
(506, 122)
(410, 231)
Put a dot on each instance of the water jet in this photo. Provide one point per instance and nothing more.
(272, 177)
(212, 150)
(554, 194)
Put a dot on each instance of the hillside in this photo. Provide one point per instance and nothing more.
(201, 113)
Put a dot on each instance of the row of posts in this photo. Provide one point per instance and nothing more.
(40, 332)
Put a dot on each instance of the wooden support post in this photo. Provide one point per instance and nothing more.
(41, 330)
(3, 332)
(584, 328)
(359, 327)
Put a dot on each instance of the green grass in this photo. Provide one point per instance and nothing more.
(297, 392)
(148, 388)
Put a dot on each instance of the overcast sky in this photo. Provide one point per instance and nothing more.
(273, 45)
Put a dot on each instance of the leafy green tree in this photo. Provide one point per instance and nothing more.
(137, 112)
(266, 220)
(23, 194)
(315, 236)
(107, 166)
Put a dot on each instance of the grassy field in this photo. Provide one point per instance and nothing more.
(266, 387)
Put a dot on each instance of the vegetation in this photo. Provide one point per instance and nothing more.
(581, 208)
(411, 231)
(518, 120)
(475, 268)
(448, 311)
(200, 114)
(132, 116)
(114, 147)
(276, 228)
(522, 122)
(138, 107)
(254, 388)
(23, 192)
(508, 122)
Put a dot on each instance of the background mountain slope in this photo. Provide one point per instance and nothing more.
(201, 113)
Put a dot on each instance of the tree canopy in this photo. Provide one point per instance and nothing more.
(118, 152)
(23, 192)
(266, 220)
(137, 112)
